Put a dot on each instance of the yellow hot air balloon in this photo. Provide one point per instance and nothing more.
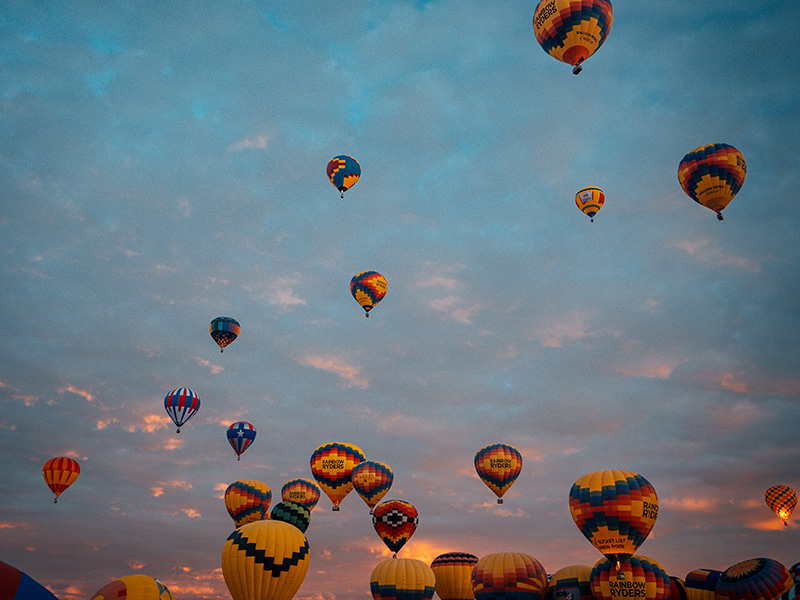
(134, 587)
(453, 571)
(402, 579)
(571, 582)
(712, 175)
(642, 578)
(265, 560)
(332, 466)
(498, 466)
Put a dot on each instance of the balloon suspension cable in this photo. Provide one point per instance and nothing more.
(577, 69)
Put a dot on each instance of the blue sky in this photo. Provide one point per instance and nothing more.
(162, 166)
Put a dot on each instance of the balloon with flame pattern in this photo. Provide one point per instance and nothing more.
(712, 175)
(395, 521)
(453, 571)
(509, 575)
(241, 435)
(590, 200)
(134, 587)
(642, 578)
(371, 480)
(59, 473)
(615, 510)
(181, 405)
(498, 466)
(303, 491)
(344, 172)
(247, 500)
(571, 31)
(754, 579)
(332, 466)
(402, 579)
(782, 500)
(224, 330)
(368, 288)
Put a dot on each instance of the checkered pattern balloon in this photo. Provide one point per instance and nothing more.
(293, 513)
(395, 521)
(782, 500)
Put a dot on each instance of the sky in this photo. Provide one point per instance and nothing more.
(162, 164)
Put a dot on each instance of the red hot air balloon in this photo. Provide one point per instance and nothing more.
(59, 473)
(395, 521)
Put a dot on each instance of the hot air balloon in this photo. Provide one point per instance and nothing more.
(240, 436)
(332, 465)
(343, 171)
(571, 31)
(293, 513)
(371, 480)
(643, 578)
(701, 583)
(590, 200)
(265, 560)
(571, 582)
(395, 521)
(782, 500)
(712, 175)
(59, 473)
(615, 510)
(509, 575)
(453, 571)
(402, 579)
(302, 491)
(368, 288)
(134, 587)
(792, 594)
(754, 579)
(677, 589)
(795, 571)
(247, 501)
(16, 585)
(181, 405)
(224, 330)
(498, 466)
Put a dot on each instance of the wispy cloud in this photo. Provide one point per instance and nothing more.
(705, 252)
(350, 375)
(258, 142)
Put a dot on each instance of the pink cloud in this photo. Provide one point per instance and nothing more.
(73, 390)
(333, 364)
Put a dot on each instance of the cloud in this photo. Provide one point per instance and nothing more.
(214, 369)
(349, 374)
(258, 142)
(455, 308)
(703, 250)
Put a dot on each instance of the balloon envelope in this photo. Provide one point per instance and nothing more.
(615, 510)
(240, 436)
(371, 480)
(224, 330)
(16, 585)
(453, 571)
(402, 579)
(343, 171)
(498, 466)
(368, 288)
(701, 583)
(644, 578)
(782, 500)
(265, 560)
(302, 491)
(395, 521)
(247, 500)
(181, 405)
(134, 587)
(590, 200)
(754, 579)
(332, 465)
(712, 175)
(509, 575)
(293, 513)
(571, 582)
(59, 473)
(572, 31)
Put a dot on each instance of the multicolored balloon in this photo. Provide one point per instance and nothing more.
(247, 500)
(795, 571)
(590, 200)
(395, 521)
(302, 491)
(498, 466)
(572, 30)
(642, 577)
(754, 579)
(571, 582)
(368, 288)
(402, 579)
(371, 480)
(332, 466)
(792, 594)
(134, 587)
(240, 436)
(701, 583)
(677, 589)
(16, 585)
(293, 513)
(224, 330)
(453, 571)
(343, 171)
(782, 500)
(59, 473)
(509, 575)
(181, 405)
(265, 560)
(712, 175)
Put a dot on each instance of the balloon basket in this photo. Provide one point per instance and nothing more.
(335, 508)
(179, 430)
(576, 69)
(55, 500)
(499, 500)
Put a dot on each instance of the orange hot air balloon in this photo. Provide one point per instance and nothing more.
(638, 577)
(712, 175)
(509, 575)
(371, 480)
(498, 466)
(782, 500)
(59, 473)
(332, 466)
